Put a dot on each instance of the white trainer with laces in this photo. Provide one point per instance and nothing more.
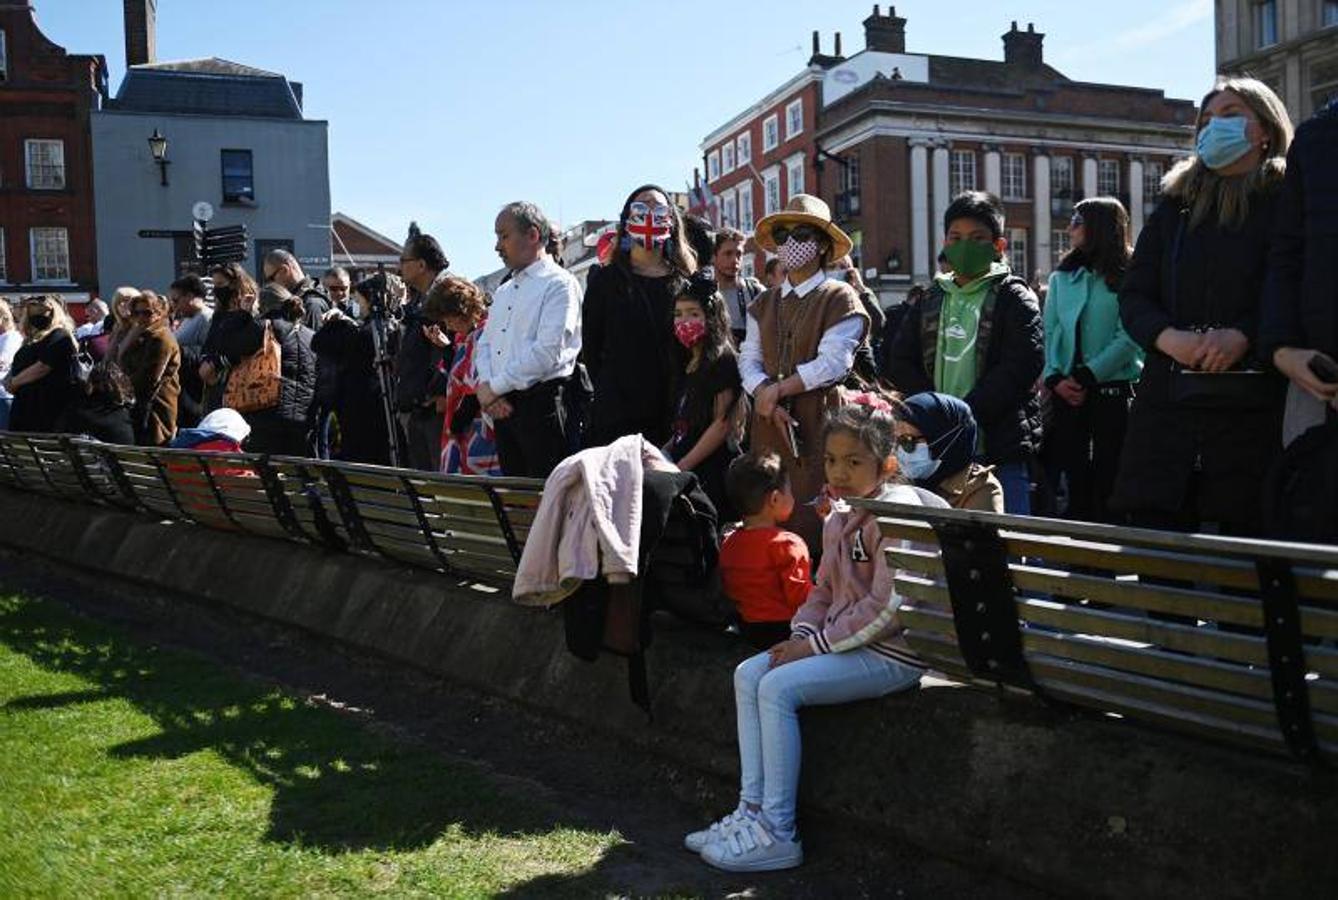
(751, 847)
(697, 840)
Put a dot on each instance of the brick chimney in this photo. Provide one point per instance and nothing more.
(822, 59)
(1023, 48)
(885, 33)
(141, 25)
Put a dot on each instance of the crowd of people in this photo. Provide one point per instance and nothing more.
(1150, 385)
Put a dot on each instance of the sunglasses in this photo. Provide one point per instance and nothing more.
(782, 233)
(1076, 221)
(908, 442)
(141, 313)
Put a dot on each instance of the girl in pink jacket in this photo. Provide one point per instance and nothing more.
(845, 645)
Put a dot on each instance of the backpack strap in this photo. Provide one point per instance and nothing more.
(931, 312)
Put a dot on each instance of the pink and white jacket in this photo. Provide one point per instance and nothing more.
(588, 523)
(854, 604)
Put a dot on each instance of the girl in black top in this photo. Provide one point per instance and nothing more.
(706, 390)
(40, 378)
(627, 321)
(104, 412)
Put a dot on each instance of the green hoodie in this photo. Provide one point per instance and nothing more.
(955, 357)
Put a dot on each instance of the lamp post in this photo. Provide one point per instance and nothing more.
(158, 147)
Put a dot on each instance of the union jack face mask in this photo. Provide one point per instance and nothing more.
(650, 226)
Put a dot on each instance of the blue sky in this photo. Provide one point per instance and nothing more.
(443, 111)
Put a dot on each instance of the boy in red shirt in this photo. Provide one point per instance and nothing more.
(764, 569)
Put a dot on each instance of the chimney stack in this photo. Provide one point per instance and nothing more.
(141, 25)
(885, 33)
(1024, 48)
(837, 53)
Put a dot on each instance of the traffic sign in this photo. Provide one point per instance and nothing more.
(203, 211)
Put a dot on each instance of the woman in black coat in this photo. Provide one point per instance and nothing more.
(627, 322)
(285, 429)
(1204, 426)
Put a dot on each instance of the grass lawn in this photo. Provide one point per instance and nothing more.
(130, 770)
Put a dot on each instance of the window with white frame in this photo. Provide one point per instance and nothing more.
(1153, 172)
(962, 172)
(1061, 176)
(1108, 177)
(746, 206)
(1014, 176)
(770, 133)
(4, 272)
(794, 174)
(745, 144)
(50, 254)
(1059, 246)
(748, 266)
(1265, 23)
(4, 59)
(794, 118)
(1330, 16)
(729, 210)
(727, 158)
(771, 191)
(46, 164)
(712, 166)
(1017, 251)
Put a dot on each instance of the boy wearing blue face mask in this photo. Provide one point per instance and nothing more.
(936, 437)
(976, 335)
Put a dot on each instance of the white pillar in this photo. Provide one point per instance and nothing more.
(920, 242)
(1135, 198)
(1089, 177)
(941, 189)
(993, 172)
(1040, 238)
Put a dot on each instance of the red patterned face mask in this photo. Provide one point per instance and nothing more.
(690, 332)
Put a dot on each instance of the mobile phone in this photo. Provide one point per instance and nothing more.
(1324, 368)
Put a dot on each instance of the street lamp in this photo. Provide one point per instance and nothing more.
(158, 147)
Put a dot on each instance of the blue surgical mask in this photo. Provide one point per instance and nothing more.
(1222, 141)
(918, 464)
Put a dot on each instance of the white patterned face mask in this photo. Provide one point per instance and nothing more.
(794, 255)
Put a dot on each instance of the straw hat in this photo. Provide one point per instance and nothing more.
(803, 209)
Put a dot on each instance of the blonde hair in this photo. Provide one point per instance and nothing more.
(1209, 195)
(6, 315)
(59, 318)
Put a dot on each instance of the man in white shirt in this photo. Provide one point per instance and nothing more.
(528, 349)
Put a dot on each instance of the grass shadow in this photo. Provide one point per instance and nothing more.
(335, 785)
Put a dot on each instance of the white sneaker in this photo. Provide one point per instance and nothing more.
(699, 839)
(751, 847)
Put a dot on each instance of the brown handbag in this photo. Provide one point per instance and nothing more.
(255, 383)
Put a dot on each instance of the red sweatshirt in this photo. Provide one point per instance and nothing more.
(766, 572)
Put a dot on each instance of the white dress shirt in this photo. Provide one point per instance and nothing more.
(533, 333)
(836, 349)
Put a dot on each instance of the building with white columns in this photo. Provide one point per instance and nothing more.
(898, 134)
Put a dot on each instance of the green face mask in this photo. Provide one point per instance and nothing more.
(970, 259)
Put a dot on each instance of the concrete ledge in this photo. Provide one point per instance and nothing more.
(1069, 803)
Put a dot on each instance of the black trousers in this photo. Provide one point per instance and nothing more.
(533, 439)
(1083, 447)
(422, 439)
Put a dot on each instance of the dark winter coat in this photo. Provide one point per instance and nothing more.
(1183, 277)
(1301, 292)
(284, 428)
(1010, 349)
(152, 362)
(349, 348)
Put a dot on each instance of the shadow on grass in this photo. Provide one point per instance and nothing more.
(335, 785)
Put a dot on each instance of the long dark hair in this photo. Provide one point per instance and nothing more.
(677, 253)
(719, 342)
(1106, 249)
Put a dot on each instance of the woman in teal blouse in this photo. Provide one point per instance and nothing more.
(1091, 365)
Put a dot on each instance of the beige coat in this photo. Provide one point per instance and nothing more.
(975, 487)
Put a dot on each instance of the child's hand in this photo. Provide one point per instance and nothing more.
(789, 651)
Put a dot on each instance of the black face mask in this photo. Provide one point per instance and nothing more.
(224, 295)
(39, 321)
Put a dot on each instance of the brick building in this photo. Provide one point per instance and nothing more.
(1292, 45)
(360, 248)
(47, 236)
(897, 134)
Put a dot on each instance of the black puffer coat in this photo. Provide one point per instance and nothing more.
(1301, 294)
(1004, 400)
(283, 429)
(1183, 277)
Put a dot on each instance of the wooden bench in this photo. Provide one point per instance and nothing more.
(462, 525)
(1228, 638)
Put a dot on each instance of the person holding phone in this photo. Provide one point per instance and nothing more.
(1299, 327)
